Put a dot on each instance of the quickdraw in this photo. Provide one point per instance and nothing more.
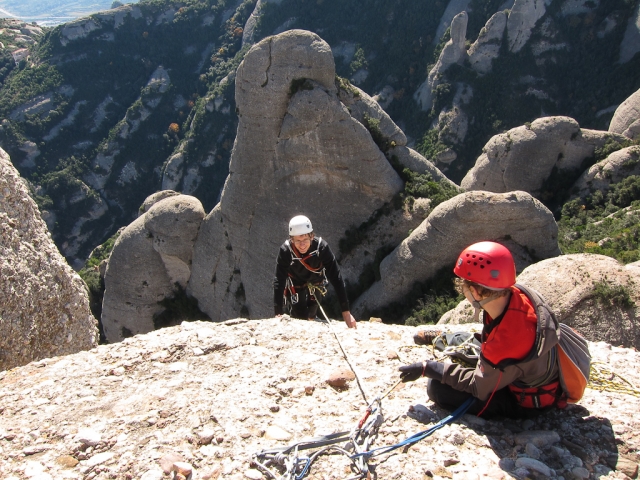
(357, 449)
(358, 441)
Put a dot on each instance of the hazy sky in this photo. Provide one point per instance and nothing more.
(53, 12)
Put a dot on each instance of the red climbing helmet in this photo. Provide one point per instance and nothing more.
(488, 264)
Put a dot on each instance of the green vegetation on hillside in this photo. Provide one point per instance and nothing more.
(607, 224)
(95, 89)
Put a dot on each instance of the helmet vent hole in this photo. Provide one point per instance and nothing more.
(475, 263)
(481, 266)
(488, 262)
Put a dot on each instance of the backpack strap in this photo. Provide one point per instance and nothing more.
(296, 255)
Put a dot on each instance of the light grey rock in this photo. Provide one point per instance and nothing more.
(454, 7)
(535, 465)
(360, 105)
(173, 171)
(44, 305)
(248, 33)
(154, 198)
(174, 223)
(250, 367)
(295, 153)
(116, 16)
(538, 438)
(516, 219)
(453, 52)
(631, 42)
(382, 236)
(486, 48)
(523, 17)
(77, 29)
(576, 287)
(524, 157)
(149, 258)
(453, 124)
(411, 159)
(462, 313)
(612, 169)
(626, 119)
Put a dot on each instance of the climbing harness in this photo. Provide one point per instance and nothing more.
(459, 347)
(290, 293)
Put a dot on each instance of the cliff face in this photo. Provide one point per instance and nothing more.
(44, 305)
(205, 397)
(103, 111)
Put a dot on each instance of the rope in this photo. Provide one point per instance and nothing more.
(603, 379)
(461, 410)
(312, 290)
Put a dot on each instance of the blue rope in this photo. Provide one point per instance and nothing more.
(461, 410)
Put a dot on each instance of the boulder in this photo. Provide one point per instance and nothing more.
(595, 294)
(412, 160)
(149, 258)
(44, 304)
(365, 109)
(613, 169)
(522, 18)
(515, 219)
(626, 119)
(453, 52)
(298, 150)
(486, 48)
(524, 157)
(154, 198)
(453, 124)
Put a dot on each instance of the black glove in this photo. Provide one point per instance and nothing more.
(428, 368)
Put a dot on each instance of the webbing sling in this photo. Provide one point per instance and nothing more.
(461, 410)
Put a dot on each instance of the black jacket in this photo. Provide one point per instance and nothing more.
(320, 255)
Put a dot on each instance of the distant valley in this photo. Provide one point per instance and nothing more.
(49, 13)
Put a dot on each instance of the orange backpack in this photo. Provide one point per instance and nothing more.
(572, 351)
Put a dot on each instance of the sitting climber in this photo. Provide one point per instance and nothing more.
(304, 263)
(517, 373)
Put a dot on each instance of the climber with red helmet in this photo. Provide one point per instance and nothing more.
(305, 264)
(516, 374)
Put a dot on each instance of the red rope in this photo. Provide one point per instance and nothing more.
(494, 391)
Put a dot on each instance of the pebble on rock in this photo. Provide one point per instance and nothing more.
(273, 432)
(339, 378)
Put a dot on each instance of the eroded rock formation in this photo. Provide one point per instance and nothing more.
(298, 150)
(150, 259)
(626, 119)
(594, 294)
(613, 169)
(44, 305)
(516, 219)
(524, 157)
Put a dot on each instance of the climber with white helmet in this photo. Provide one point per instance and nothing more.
(517, 373)
(305, 263)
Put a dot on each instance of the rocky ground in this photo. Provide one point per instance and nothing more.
(201, 398)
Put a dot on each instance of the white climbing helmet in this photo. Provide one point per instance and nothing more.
(299, 225)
